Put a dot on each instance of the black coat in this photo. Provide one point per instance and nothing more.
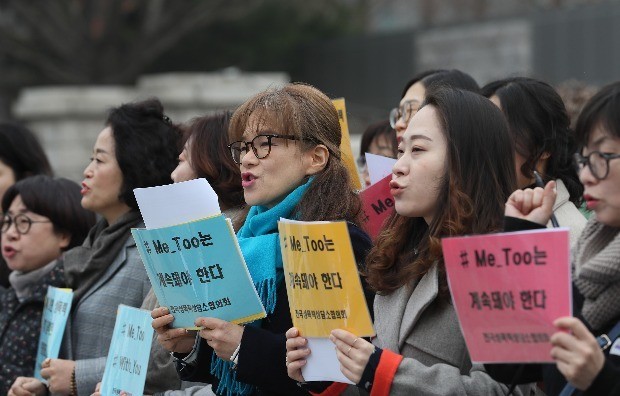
(20, 324)
(261, 362)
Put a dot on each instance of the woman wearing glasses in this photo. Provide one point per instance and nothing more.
(42, 219)
(137, 148)
(595, 261)
(415, 91)
(287, 145)
(540, 128)
(21, 155)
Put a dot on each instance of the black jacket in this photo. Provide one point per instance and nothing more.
(20, 324)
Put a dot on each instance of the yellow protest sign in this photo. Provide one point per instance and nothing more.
(322, 280)
(345, 144)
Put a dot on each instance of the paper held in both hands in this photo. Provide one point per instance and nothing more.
(324, 291)
(192, 256)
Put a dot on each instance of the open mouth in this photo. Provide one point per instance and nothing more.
(247, 179)
(8, 251)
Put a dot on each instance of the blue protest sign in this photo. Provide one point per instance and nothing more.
(56, 310)
(197, 270)
(128, 357)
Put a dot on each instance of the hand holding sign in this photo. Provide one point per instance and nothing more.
(535, 205)
(222, 336)
(58, 375)
(296, 353)
(353, 353)
(172, 340)
(578, 356)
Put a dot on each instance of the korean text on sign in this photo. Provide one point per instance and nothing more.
(508, 289)
(128, 357)
(322, 280)
(56, 309)
(197, 269)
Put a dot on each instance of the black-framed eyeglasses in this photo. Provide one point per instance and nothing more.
(21, 221)
(597, 162)
(261, 146)
(404, 112)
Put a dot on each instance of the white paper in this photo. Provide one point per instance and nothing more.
(322, 363)
(172, 204)
(378, 166)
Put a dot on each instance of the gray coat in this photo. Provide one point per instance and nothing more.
(89, 328)
(424, 329)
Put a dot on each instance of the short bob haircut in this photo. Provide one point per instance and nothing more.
(209, 157)
(147, 146)
(440, 77)
(539, 124)
(57, 199)
(21, 151)
(376, 130)
(479, 178)
(601, 111)
(306, 113)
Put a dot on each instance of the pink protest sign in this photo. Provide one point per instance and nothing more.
(377, 204)
(507, 290)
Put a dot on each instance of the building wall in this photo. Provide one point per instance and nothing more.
(67, 120)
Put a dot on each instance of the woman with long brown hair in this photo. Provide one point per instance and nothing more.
(454, 173)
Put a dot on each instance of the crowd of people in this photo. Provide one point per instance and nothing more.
(469, 160)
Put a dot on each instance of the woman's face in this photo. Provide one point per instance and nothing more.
(380, 145)
(34, 249)
(421, 166)
(7, 178)
(603, 196)
(103, 180)
(268, 181)
(184, 171)
(409, 104)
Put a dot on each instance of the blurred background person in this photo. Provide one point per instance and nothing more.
(205, 154)
(575, 94)
(21, 155)
(543, 142)
(380, 139)
(42, 218)
(415, 91)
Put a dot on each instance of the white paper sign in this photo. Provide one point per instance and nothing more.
(172, 204)
(378, 166)
(322, 364)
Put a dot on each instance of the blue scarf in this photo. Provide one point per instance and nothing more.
(260, 245)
